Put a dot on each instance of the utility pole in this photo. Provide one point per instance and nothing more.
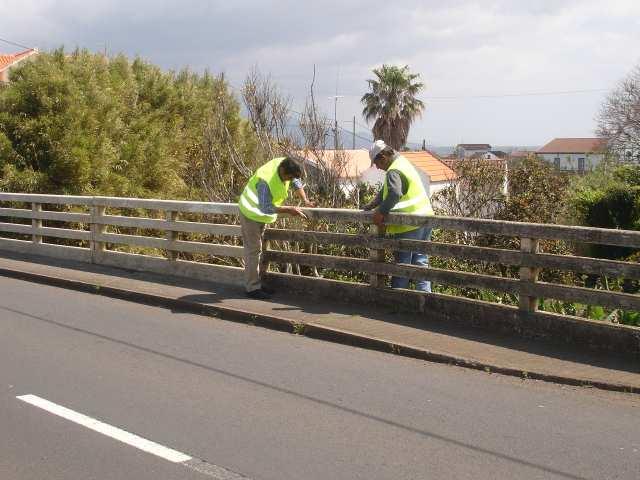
(335, 119)
(335, 111)
(354, 132)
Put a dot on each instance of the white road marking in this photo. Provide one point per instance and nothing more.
(106, 429)
(214, 471)
(201, 466)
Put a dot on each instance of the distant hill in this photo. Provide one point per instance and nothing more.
(444, 151)
(364, 138)
(519, 148)
(345, 139)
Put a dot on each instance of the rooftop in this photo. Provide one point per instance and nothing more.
(427, 161)
(8, 59)
(350, 163)
(574, 145)
(356, 162)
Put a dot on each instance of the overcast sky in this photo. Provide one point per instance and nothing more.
(461, 49)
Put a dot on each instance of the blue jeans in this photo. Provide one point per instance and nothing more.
(412, 258)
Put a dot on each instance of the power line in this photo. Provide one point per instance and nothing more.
(362, 126)
(360, 137)
(370, 140)
(524, 94)
(14, 43)
(418, 144)
(507, 95)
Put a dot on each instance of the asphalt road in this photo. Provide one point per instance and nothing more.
(244, 401)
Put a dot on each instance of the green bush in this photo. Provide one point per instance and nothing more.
(82, 123)
(607, 198)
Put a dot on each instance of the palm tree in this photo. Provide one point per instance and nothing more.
(392, 103)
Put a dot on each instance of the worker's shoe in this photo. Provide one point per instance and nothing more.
(258, 294)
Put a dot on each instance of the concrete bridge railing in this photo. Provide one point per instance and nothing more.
(89, 227)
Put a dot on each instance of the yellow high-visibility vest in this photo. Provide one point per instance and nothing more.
(415, 201)
(249, 203)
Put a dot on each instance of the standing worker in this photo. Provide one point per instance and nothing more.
(405, 190)
(260, 203)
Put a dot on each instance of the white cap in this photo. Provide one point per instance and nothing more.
(376, 148)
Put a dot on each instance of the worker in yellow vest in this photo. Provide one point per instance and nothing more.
(405, 190)
(260, 203)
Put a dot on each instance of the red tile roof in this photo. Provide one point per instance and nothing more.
(574, 145)
(8, 59)
(437, 170)
(356, 162)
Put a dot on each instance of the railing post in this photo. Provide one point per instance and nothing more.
(528, 274)
(36, 223)
(171, 235)
(97, 228)
(375, 280)
(264, 259)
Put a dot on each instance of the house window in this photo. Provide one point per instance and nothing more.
(581, 164)
(556, 163)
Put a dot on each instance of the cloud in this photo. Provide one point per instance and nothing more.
(460, 48)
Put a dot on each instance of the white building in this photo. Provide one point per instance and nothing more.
(467, 150)
(574, 154)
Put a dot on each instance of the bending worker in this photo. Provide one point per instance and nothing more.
(260, 203)
(405, 190)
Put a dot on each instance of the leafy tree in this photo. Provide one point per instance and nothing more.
(536, 193)
(392, 103)
(619, 118)
(477, 190)
(82, 123)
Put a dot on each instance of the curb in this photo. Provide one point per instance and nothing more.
(308, 329)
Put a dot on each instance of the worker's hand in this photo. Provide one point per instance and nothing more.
(310, 204)
(378, 219)
(299, 213)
